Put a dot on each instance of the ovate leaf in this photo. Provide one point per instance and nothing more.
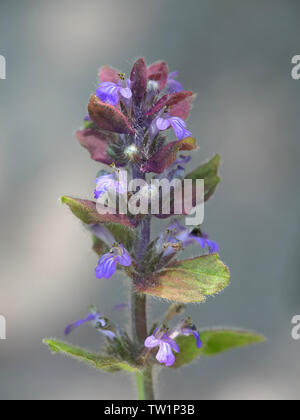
(138, 79)
(108, 117)
(86, 211)
(96, 143)
(101, 362)
(183, 108)
(208, 172)
(189, 280)
(170, 100)
(108, 74)
(213, 342)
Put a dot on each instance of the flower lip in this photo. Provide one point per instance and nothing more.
(107, 264)
(97, 320)
(192, 331)
(89, 318)
(110, 92)
(115, 181)
(178, 125)
(165, 340)
(177, 233)
(173, 85)
(161, 339)
(203, 239)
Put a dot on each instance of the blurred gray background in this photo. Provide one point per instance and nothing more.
(236, 55)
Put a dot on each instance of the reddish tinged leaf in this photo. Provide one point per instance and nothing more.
(183, 108)
(96, 144)
(159, 73)
(108, 74)
(86, 211)
(138, 79)
(167, 155)
(108, 117)
(189, 280)
(170, 100)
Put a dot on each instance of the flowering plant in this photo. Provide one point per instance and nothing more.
(125, 129)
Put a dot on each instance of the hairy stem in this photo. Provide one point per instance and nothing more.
(139, 316)
(145, 384)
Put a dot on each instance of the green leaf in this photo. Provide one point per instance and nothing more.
(86, 211)
(122, 234)
(208, 172)
(189, 280)
(99, 246)
(213, 342)
(106, 363)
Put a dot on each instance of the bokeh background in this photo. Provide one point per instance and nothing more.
(237, 56)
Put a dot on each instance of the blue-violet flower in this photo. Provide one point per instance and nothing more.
(204, 242)
(176, 233)
(110, 92)
(195, 333)
(178, 125)
(107, 264)
(166, 346)
(116, 181)
(173, 85)
(94, 318)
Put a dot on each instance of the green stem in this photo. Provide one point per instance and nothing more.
(144, 382)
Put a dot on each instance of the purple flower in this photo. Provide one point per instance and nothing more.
(104, 183)
(179, 126)
(173, 85)
(116, 181)
(107, 265)
(186, 328)
(162, 340)
(176, 233)
(195, 333)
(94, 318)
(204, 241)
(110, 92)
